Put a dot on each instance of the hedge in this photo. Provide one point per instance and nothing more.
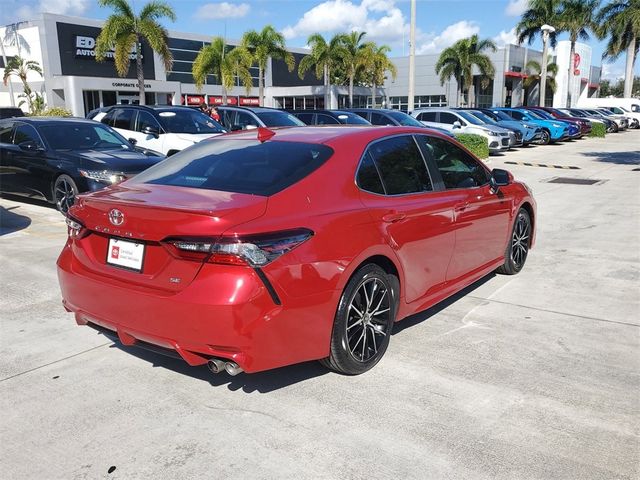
(476, 144)
(598, 130)
(56, 112)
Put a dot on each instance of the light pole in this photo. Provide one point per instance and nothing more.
(412, 57)
(546, 31)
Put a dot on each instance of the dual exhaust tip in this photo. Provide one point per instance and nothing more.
(216, 366)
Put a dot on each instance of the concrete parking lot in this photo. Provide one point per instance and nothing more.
(531, 376)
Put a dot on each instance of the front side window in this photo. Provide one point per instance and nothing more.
(26, 133)
(188, 121)
(379, 119)
(457, 168)
(449, 118)
(244, 120)
(6, 128)
(123, 117)
(323, 119)
(401, 166)
(306, 117)
(240, 166)
(427, 116)
(83, 136)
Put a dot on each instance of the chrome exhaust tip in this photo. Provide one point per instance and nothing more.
(216, 365)
(232, 368)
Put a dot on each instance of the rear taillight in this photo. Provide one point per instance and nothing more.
(253, 250)
(75, 229)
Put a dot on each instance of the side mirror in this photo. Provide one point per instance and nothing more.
(133, 141)
(500, 178)
(30, 146)
(153, 131)
(457, 124)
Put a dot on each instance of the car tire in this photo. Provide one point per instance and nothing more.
(65, 191)
(360, 336)
(546, 138)
(518, 247)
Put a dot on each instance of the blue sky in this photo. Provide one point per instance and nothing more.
(439, 22)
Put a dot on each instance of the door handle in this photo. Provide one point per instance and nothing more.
(462, 207)
(393, 217)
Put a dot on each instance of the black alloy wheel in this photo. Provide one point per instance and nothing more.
(546, 138)
(363, 321)
(519, 242)
(64, 193)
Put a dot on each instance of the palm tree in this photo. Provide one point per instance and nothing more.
(540, 13)
(352, 57)
(213, 59)
(124, 30)
(461, 58)
(535, 74)
(264, 44)
(376, 65)
(18, 67)
(620, 21)
(323, 57)
(576, 17)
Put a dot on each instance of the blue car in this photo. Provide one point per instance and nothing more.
(552, 131)
(530, 133)
(574, 129)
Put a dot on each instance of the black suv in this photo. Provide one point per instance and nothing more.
(329, 117)
(10, 112)
(246, 118)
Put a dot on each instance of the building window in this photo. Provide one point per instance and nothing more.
(419, 101)
(359, 101)
(309, 102)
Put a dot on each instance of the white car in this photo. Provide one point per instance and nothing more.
(165, 129)
(460, 121)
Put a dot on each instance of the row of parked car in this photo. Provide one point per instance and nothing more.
(55, 159)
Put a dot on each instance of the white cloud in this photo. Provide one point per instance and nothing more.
(515, 8)
(22, 10)
(435, 43)
(63, 7)
(381, 19)
(214, 11)
(506, 38)
(612, 71)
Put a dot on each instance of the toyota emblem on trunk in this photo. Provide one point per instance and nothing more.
(116, 217)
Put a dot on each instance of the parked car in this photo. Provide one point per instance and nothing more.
(610, 125)
(329, 117)
(620, 121)
(166, 129)
(516, 140)
(460, 121)
(248, 118)
(56, 158)
(257, 250)
(389, 117)
(633, 118)
(10, 112)
(629, 104)
(552, 131)
(573, 130)
(530, 133)
(583, 123)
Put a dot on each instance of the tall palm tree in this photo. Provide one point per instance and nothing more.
(376, 66)
(576, 17)
(124, 30)
(538, 14)
(213, 59)
(323, 57)
(264, 44)
(353, 57)
(461, 58)
(620, 21)
(534, 70)
(18, 67)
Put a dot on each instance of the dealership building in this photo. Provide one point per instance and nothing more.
(65, 48)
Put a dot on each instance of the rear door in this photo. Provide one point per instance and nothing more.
(417, 220)
(482, 217)
(378, 118)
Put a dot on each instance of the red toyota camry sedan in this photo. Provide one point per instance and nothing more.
(265, 248)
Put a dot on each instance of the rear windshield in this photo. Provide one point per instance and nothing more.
(349, 118)
(280, 119)
(404, 119)
(188, 121)
(238, 166)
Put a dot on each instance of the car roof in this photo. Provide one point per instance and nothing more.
(51, 120)
(252, 109)
(328, 134)
(335, 112)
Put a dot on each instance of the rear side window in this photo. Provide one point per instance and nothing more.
(123, 117)
(5, 132)
(368, 177)
(239, 166)
(456, 167)
(427, 116)
(26, 133)
(306, 117)
(400, 165)
(516, 115)
(379, 119)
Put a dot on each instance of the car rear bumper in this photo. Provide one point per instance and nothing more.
(225, 312)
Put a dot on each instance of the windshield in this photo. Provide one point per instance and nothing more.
(483, 116)
(404, 119)
(188, 121)
(240, 166)
(280, 119)
(535, 115)
(470, 118)
(557, 112)
(502, 115)
(83, 136)
(545, 115)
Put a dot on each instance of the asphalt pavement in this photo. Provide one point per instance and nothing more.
(535, 376)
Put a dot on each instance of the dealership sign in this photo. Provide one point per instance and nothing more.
(86, 48)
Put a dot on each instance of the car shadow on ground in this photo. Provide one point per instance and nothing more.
(11, 221)
(619, 158)
(271, 380)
